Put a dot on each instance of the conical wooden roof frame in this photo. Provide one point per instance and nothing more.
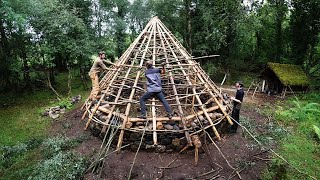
(189, 90)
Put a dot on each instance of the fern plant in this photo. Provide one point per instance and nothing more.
(317, 131)
(301, 111)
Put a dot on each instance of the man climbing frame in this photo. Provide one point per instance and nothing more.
(237, 101)
(154, 88)
(94, 71)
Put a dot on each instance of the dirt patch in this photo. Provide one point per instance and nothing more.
(239, 151)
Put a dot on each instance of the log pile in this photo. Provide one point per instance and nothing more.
(194, 97)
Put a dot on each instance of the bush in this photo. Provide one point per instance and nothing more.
(316, 131)
(52, 146)
(9, 153)
(65, 103)
(64, 165)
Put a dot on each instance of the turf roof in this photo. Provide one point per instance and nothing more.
(289, 74)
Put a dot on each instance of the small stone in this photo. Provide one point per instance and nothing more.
(135, 136)
(201, 118)
(168, 126)
(103, 117)
(169, 150)
(95, 132)
(139, 123)
(165, 141)
(218, 115)
(183, 142)
(149, 143)
(175, 127)
(45, 113)
(134, 147)
(194, 125)
(176, 142)
(211, 115)
(180, 125)
(63, 110)
(171, 122)
(53, 115)
(160, 149)
(150, 146)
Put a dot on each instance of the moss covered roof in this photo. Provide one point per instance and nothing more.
(289, 74)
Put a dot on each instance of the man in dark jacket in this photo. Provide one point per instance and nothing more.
(154, 89)
(237, 101)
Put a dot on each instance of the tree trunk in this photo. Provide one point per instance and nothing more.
(279, 19)
(26, 69)
(4, 55)
(188, 27)
(98, 15)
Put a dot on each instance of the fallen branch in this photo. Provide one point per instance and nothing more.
(135, 156)
(162, 170)
(262, 158)
(223, 156)
(169, 167)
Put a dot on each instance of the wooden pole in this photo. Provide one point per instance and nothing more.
(133, 89)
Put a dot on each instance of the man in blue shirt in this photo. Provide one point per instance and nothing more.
(154, 89)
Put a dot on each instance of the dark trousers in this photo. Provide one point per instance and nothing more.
(147, 95)
(235, 115)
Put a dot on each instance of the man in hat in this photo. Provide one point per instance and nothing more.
(154, 88)
(237, 101)
(98, 64)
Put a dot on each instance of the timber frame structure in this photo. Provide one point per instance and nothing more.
(192, 95)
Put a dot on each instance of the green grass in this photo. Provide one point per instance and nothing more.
(20, 121)
(301, 148)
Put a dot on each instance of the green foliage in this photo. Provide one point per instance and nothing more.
(301, 153)
(209, 68)
(63, 165)
(305, 28)
(65, 103)
(10, 153)
(56, 144)
(316, 131)
(59, 162)
(273, 133)
(299, 148)
(305, 113)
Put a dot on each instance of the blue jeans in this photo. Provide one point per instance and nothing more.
(159, 95)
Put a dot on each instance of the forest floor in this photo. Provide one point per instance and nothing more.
(240, 150)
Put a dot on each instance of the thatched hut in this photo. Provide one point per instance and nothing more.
(282, 77)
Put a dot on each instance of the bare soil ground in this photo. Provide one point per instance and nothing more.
(238, 150)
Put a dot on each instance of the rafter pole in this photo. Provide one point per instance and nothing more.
(153, 108)
(193, 89)
(176, 93)
(133, 89)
